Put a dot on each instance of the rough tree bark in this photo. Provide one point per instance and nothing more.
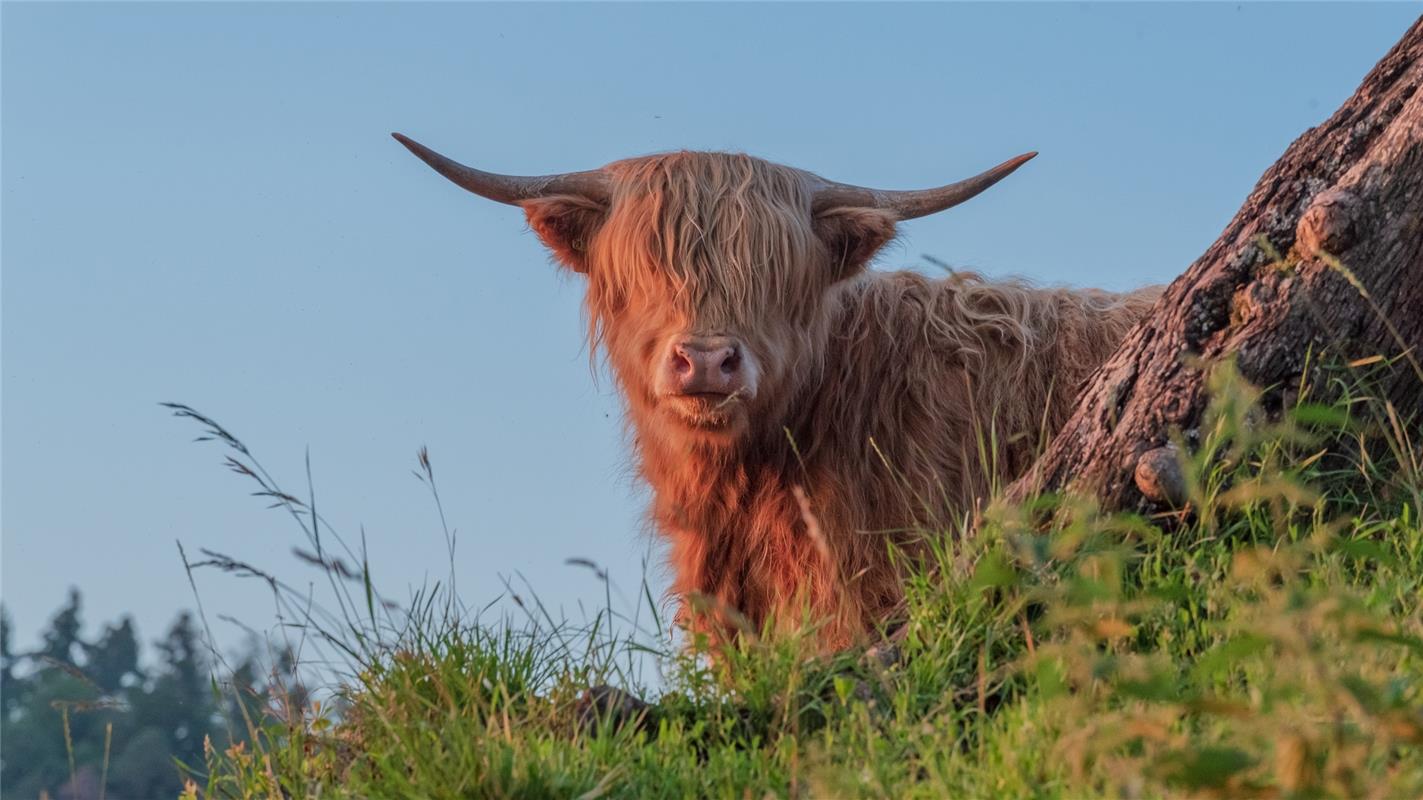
(1350, 189)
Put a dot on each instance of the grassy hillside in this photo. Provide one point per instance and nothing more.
(1268, 643)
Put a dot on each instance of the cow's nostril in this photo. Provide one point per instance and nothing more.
(731, 363)
(681, 364)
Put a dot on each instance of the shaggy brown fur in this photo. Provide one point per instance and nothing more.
(876, 390)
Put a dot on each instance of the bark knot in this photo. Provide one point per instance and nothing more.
(1158, 476)
(1329, 224)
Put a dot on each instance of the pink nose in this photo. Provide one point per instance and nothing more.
(706, 365)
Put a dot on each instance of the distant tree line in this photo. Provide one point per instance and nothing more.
(80, 718)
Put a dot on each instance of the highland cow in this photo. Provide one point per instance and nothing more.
(800, 418)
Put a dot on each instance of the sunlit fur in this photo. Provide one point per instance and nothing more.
(876, 389)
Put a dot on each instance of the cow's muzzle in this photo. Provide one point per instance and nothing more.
(709, 367)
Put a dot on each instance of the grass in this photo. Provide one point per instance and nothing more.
(1266, 641)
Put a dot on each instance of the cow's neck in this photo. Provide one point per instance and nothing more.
(740, 541)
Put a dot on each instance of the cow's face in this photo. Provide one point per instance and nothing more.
(709, 274)
(708, 280)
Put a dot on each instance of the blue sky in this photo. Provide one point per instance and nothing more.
(201, 203)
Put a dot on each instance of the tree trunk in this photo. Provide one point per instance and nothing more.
(1350, 189)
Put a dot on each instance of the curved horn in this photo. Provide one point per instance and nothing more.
(511, 189)
(913, 203)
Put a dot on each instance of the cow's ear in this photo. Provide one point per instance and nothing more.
(853, 235)
(566, 224)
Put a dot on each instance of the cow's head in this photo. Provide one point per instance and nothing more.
(708, 273)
